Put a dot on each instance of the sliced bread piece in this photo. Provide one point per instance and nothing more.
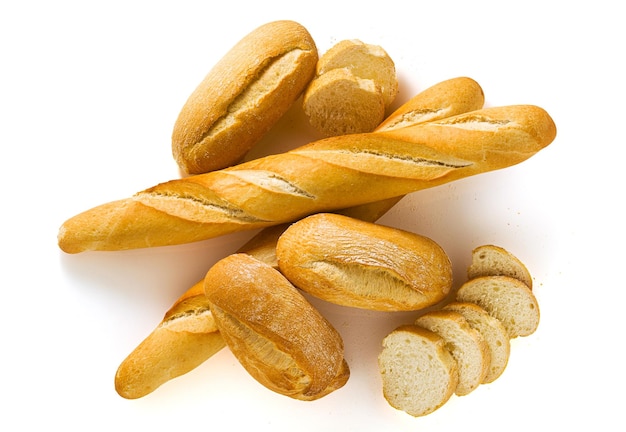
(466, 344)
(364, 61)
(490, 260)
(340, 103)
(494, 333)
(418, 373)
(508, 299)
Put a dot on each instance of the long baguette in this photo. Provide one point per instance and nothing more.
(326, 175)
(156, 360)
(243, 96)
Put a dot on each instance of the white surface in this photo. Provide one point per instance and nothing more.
(88, 96)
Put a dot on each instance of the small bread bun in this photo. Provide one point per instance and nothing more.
(339, 103)
(490, 260)
(354, 85)
(508, 299)
(466, 344)
(493, 332)
(243, 96)
(274, 332)
(418, 373)
(350, 262)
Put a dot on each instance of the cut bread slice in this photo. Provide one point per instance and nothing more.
(466, 344)
(490, 260)
(338, 103)
(364, 61)
(494, 333)
(507, 299)
(418, 373)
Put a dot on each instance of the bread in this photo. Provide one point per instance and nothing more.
(418, 373)
(493, 332)
(466, 344)
(508, 299)
(360, 264)
(366, 61)
(354, 85)
(277, 336)
(243, 96)
(490, 260)
(445, 99)
(186, 337)
(143, 370)
(322, 176)
(339, 103)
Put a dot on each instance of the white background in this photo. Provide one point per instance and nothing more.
(89, 92)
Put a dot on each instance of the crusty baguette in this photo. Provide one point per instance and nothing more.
(506, 298)
(157, 359)
(325, 175)
(274, 332)
(184, 339)
(243, 96)
(360, 264)
(466, 344)
(418, 372)
(490, 260)
(494, 333)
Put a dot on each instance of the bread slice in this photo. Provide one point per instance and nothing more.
(467, 346)
(418, 373)
(364, 61)
(339, 102)
(494, 333)
(508, 299)
(490, 260)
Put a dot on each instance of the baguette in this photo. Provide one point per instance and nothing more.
(322, 176)
(143, 370)
(243, 96)
(277, 336)
(490, 260)
(361, 264)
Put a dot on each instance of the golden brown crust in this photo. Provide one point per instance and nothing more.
(326, 175)
(278, 337)
(361, 264)
(243, 96)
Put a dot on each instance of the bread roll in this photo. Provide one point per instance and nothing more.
(278, 337)
(466, 344)
(490, 260)
(323, 176)
(354, 85)
(418, 373)
(508, 299)
(243, 96)
(360, 264)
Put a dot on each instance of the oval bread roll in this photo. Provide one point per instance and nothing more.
(350, 262)
(277, 336)
(243, 96)
(418, 373)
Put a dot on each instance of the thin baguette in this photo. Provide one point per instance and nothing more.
(157, 359)
(243, 96)
(326, 175)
